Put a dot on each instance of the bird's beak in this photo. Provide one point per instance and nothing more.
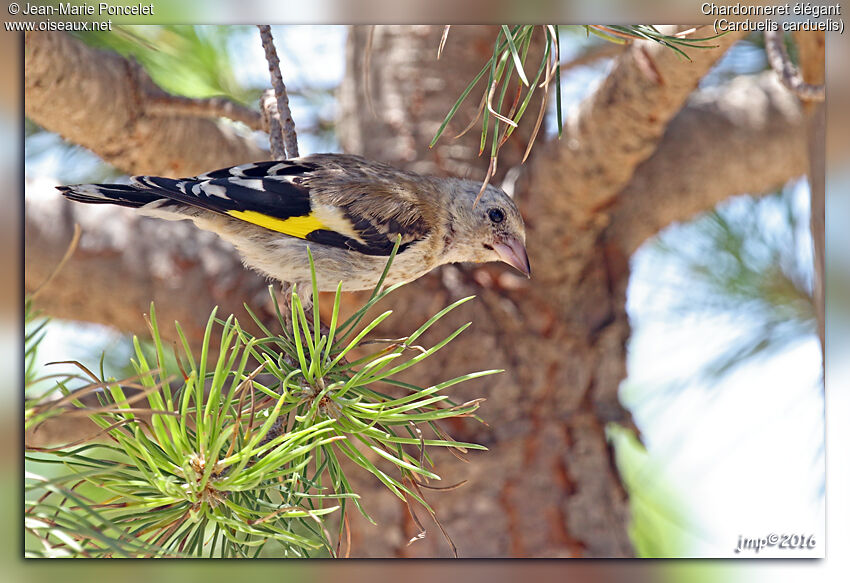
(512, 251)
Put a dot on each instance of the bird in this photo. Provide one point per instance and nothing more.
(349, 211)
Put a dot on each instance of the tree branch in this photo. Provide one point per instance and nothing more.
(100, 100)
(165, 104)
(747, 136)
(271, 119)
(621, 123)
(288, 125)
(780, 62)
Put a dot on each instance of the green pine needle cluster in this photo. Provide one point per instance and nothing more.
(510, 59)
(244, 451)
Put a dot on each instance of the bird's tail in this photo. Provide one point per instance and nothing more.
(120, 194)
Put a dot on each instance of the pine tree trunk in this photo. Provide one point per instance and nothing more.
(548, 486)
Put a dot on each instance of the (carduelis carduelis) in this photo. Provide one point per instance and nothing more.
(348, 210)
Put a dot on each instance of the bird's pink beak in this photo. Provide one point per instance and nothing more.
(512, 251)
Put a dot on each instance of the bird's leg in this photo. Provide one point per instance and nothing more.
(305, 294)
(304, 291)
(286, 312)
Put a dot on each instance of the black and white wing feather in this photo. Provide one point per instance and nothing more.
(332, 199)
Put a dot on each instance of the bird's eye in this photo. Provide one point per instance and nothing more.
(496, 215)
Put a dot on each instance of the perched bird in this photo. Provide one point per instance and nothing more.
(348, 210)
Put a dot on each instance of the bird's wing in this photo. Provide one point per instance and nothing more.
(334, 200)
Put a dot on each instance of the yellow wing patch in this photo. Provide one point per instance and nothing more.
(294, 226)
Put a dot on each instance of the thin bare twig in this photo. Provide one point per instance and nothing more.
(271, 121)
(290, 139)
(367, 70)
(283, 142)
(166, 104)
(780, 62)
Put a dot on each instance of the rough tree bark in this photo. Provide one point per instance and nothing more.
(548, 486)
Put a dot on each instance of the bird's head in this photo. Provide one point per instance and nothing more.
(492, 230)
